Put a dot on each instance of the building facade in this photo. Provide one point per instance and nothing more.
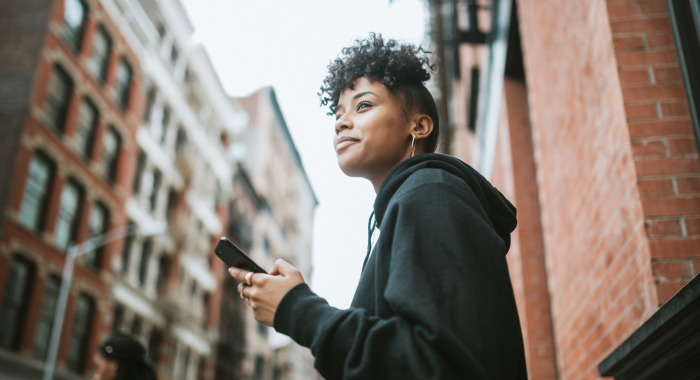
(584, 114)
(69, 145)
(272, 217)
(112, 116)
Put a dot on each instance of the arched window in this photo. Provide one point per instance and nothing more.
(74, 15)
(36, 192)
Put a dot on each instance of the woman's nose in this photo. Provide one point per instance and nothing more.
(342, 123)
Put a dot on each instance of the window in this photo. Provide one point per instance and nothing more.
(85, 131)
(82, 326)
(123, 85)
(153, 195)
(180, 142)
(99, 220)
(685, 21)
(473, 99)
(110, 153)
(150, 102)
(174, 54)
(68, 214)
(266, 245)
(186, 77)
(154, 344)
(205, 307)
(136, 326)
(259, 366)
(36, 192)
(138, 179)
(74, 12)
(58, 98)
(145, 259)
(172, 203)
(185, 362)
(101, 46)
(162, 128)
(160, 28)
(118, 318)
(48, 309)
(15, 301)
(126, 255)
(163, 267)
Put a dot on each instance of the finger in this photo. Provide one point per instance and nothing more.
(282, 267)
(273, 271)
(238, 274)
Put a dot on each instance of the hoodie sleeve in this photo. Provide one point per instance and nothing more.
(449, 291)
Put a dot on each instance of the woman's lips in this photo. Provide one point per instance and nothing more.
(344, 142)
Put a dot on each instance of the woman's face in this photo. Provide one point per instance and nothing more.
(105, 369)
(372, 133)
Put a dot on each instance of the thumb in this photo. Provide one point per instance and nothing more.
(282, 267)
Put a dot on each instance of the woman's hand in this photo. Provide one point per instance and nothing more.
(267, 290)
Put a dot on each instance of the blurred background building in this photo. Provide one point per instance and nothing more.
(585, 115)
(113, 116)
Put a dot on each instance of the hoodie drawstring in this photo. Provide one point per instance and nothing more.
(371, 226)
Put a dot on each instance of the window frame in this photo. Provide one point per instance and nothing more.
(144, 263)
(110, 168)
(19, 306)
(84, 324)
(93, 259)
(75, 222)
(103, 68)
(55, 115)
(122, 88)
(45, 323)
(88, 145)
(43, 201)
(75, 41)
(688, 49)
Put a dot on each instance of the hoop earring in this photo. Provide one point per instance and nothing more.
(413, 147)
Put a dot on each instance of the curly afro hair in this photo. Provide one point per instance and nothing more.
(402, 68)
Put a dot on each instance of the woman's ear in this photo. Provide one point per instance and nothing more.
(423, 127)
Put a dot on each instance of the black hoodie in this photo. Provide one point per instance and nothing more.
(434, 300)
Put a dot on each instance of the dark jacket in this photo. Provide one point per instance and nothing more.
(434, 300)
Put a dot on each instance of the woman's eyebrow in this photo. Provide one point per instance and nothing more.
(363, 94)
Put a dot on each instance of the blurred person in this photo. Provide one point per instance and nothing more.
(122, 357)
(434, 300)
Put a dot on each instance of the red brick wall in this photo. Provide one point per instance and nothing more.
(596, 252)
(663, 145)
(610, 171)
(34, 134)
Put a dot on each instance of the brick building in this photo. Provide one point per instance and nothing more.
(71, 100)
(113, 116)
(585, 115)
(271, 218)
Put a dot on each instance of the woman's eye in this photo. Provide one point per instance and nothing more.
(362, 105)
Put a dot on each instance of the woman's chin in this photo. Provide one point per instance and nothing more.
(349, 167)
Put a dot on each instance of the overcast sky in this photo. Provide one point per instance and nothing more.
(287, 44)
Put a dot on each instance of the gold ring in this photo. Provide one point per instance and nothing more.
(249, 278)
(242, 296)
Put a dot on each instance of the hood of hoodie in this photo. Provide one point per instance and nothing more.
(500, 211)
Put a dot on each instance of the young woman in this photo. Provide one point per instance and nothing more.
(121, 357)
(434, 300)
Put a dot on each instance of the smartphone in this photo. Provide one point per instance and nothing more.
(233, 256)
